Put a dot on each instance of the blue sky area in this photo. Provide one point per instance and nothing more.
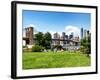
(55, 21)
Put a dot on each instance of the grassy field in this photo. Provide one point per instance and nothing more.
(33, 60)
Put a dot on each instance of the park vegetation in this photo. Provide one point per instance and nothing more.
(86, 45)
(43, 41)
(43, 56)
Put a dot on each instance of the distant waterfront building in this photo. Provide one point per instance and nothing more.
(63, 38)
(71, 36)
(56, 37)
(66, 37)
(63, 35)
(81, 33)
(88, 33)
(85, 33)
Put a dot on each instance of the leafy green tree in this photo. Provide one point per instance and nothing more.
(43, 39)
(47, 40)
(86, 45)
(39, 38)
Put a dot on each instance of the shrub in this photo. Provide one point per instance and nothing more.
(82, 49)
(37, 48)
(58, 47)
(85, 50)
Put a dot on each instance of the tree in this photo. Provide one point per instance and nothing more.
(43, 40)
(39, 38)
(47, 40)
(86, 45)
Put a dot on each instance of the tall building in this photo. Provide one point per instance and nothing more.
(56, 38)
(66, 37)
(88, 32)
(63, 35)
(71, 36)
(81, 33)
(85, 33)
(63, 38)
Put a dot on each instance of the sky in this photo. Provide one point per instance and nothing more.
(46, 21)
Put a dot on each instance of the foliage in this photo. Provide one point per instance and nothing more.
(86, 45)
(37, 48)
(59, 47)
(43, 39)
(47, 40)
(39, 38)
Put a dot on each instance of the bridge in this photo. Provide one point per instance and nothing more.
(27, 40)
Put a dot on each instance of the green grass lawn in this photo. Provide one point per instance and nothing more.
(36, 60)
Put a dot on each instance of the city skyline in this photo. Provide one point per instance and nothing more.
(63, 40)
(83, 33)
(52, 22)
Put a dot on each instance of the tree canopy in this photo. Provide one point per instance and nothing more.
(43, 39)
(39, 38)
(86, 45)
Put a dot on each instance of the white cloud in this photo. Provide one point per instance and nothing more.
(30, 25)
(69, 29)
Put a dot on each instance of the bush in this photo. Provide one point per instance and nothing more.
(85, 50)
(58, 47)
(82, 49)
(37, 48)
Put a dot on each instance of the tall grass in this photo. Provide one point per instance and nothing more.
(33, 60)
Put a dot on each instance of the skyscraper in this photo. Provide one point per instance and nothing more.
(63, 35)
(71, 35)
(56, 36)
(88, 32)
(85, 33)
(81, 33)
(66, 37)
(56, 39)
